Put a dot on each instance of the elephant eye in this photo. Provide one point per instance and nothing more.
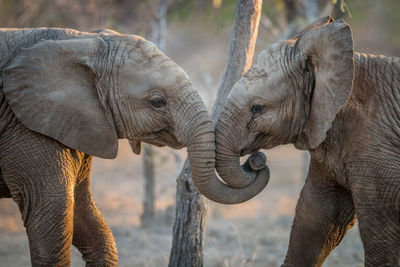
(158, 102)
(256, 109)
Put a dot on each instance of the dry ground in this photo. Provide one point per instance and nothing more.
(251, 234)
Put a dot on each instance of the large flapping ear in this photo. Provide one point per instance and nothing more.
(329, 50)
(51, 88)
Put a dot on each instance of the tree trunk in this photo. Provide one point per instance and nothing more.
(311, 11)
(189, 224)
(299, 13)
(191, 207)
(159, 26)
(149, 186)
(159, 30)
(340, 10)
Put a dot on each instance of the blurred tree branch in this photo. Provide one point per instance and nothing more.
(340, 9)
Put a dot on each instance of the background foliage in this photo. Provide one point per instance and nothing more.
(134, 16)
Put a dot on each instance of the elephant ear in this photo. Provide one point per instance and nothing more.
(52, 89)
(329, 50)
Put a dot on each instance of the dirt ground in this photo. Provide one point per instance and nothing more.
(255, 233)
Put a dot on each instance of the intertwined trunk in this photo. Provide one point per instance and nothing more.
(191, 207)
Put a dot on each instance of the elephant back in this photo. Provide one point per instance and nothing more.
(12, 40)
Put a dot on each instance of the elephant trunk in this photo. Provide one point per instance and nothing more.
(228, 155)
(201, 151)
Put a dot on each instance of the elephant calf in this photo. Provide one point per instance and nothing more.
(343, 107)
(67, 96)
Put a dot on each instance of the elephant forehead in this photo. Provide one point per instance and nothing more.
(242, 90)
(140, 80)
(269, 87)
(269, 59)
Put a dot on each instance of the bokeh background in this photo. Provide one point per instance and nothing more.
(255, 233)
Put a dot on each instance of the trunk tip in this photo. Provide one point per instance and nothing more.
(257, 161)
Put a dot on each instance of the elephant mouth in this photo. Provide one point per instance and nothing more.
(160, 138)
(255, 145)
(165, 138)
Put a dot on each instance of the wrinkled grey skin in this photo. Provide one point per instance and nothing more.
(344, 108)
(66, 96)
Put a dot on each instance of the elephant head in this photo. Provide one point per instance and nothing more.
(89, 89)
(291, 95)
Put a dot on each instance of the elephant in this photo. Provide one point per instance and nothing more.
(315, 92)
(67, 96)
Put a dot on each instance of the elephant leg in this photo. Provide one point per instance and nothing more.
(377, 203)
(380, 233)
(324, 213)
(92, 236)
(40, 174)
(48, 218)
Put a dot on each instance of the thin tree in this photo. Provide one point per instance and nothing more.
(191, 207)
(159, 31)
